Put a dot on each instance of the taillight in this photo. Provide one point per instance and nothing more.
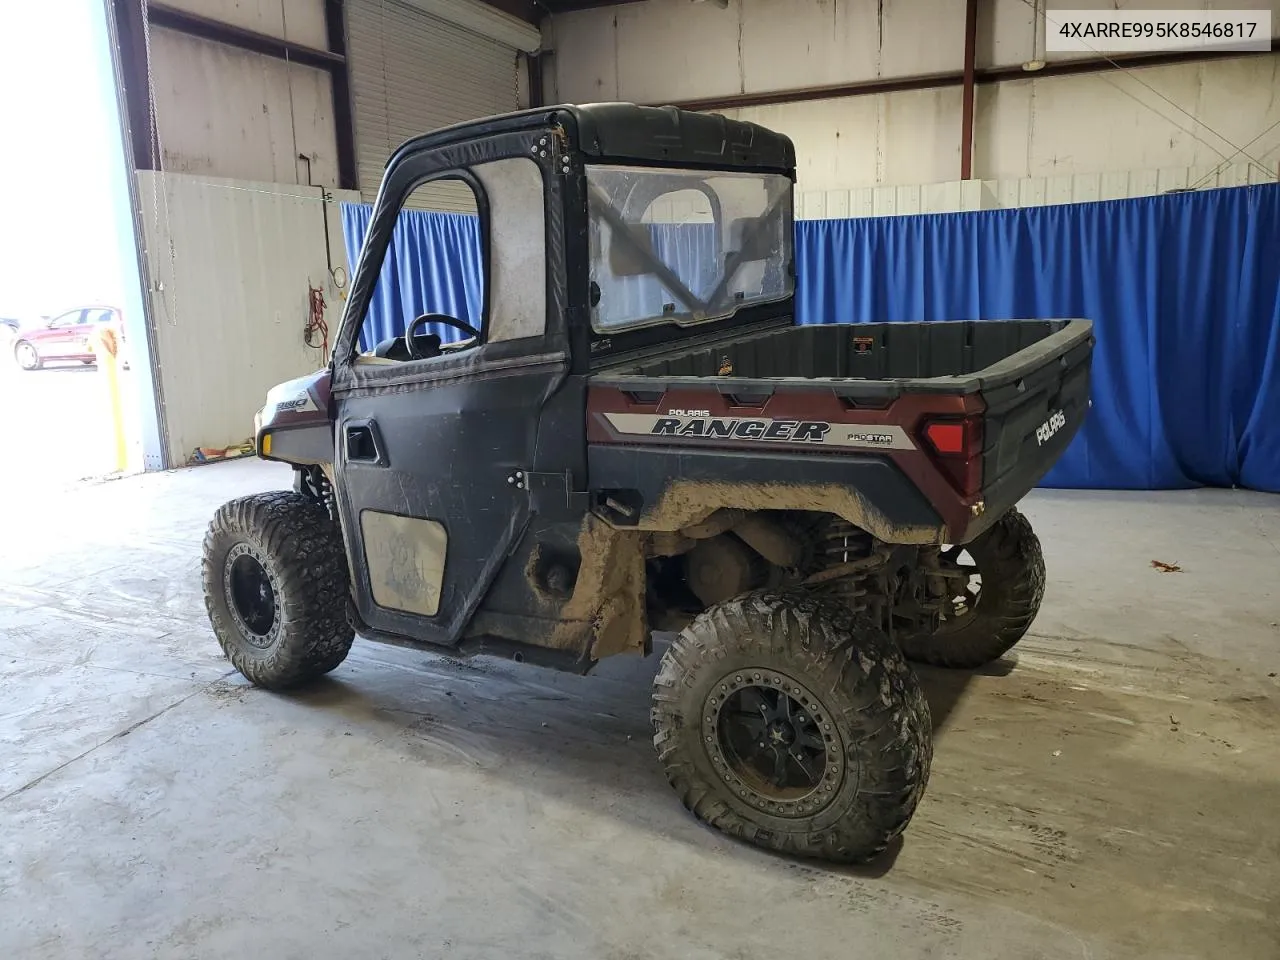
(957, 448)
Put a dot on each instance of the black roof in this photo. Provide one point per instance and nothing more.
(625, 131)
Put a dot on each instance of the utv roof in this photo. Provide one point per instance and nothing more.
(627, 132)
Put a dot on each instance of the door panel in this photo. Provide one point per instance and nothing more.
(436, 488)
(62, 339)
(405, 557)
(429, 446)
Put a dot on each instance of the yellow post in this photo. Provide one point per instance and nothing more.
(106, 348)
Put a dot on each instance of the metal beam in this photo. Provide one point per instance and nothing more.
(568, 6)
(967, 79)
(934, 81)
(206, 28)
(526, 10)
(537, 80)
(734, 101)
(335, 25)
(1068, 68)
(129, 31)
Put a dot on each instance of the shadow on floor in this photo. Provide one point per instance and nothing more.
(944, 687)
(566, 735)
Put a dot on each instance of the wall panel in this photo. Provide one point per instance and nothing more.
(1117, 124)
(301, 21)
(230, 113)
(412, 73)
(230, 263)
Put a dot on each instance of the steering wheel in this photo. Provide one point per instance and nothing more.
(411, 342)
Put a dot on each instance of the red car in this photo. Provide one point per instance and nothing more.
(66, 337)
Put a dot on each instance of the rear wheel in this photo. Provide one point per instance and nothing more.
(276, 588)
(27, 356)
(795, 724)
(1003, 577)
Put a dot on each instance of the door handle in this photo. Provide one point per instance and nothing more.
(363, 443)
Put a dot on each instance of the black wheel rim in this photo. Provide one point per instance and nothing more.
(773, 743)
(964, 581)
(251, 595)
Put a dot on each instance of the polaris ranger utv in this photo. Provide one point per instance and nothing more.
(632, 434)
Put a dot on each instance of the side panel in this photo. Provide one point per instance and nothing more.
(875, 356)
(295, 423)
(1029, 424)
(405, 558)
(666, 489)
(443, 453)
(452, 440)
(575, 588)
(60, 340)
(823, 437)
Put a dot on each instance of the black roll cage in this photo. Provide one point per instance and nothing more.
(562, 140)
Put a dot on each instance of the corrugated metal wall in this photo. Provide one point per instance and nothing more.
(1131, 126)
(411, 73)
(229, 113)
(226, 112)
(230, 264)
(230, 261)
(299, 20)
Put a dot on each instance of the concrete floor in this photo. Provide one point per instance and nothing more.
(1109, 791)
(66, 403)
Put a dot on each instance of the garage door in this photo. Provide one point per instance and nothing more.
(412, 72)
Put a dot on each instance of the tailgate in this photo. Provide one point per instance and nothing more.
(1036, 401)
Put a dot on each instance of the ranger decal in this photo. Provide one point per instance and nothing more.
(680, 423)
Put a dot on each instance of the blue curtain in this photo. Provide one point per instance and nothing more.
(1183, 290)
(689, 249)
(434, 265)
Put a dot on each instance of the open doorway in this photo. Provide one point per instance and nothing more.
(75, 382)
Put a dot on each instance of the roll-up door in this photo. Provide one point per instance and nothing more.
(412, 72)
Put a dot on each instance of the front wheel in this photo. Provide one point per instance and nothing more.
(1003, 576)
(276, 588)
(795, 724)
(27, 356)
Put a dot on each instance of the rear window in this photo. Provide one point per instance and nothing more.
(685, 246)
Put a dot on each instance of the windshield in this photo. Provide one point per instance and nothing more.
(685, 245)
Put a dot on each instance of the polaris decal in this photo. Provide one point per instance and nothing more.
(1057, 420)
(681, 423)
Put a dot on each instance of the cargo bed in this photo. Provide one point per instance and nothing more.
(858, 404)
(880, 359)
